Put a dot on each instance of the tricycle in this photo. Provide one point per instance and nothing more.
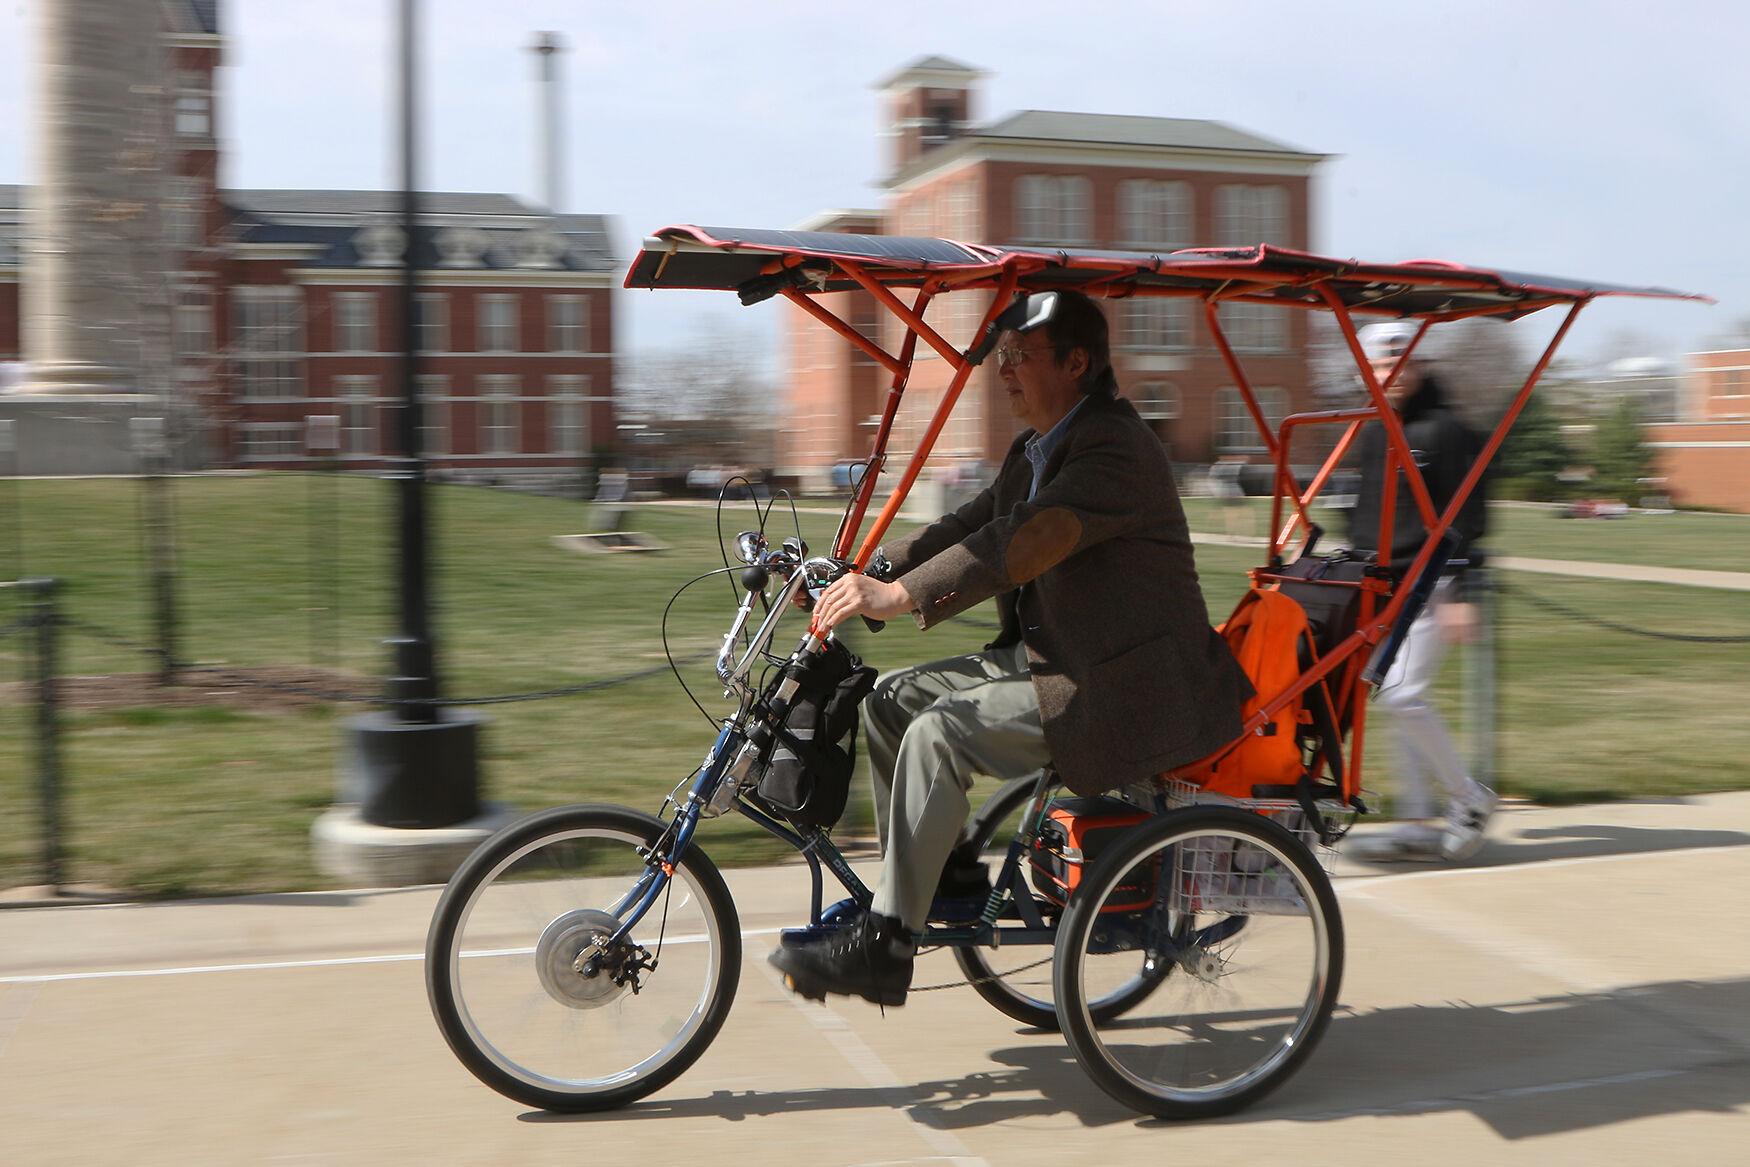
(1186, 939)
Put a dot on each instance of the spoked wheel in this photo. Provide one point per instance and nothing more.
(1018, 980)
(1246, 924)
(532, 992)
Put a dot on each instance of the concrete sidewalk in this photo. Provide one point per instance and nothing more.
(1578, 993)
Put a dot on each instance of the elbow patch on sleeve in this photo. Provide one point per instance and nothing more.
(1041, 542)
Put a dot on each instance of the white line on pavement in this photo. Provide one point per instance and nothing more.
(328, 962)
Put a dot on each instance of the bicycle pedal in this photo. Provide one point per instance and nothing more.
(795, 987)
(797, 937)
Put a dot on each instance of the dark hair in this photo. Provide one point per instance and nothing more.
(1079, 322)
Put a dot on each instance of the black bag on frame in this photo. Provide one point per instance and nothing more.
(811, 754)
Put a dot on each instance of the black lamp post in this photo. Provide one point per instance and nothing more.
(416, 765)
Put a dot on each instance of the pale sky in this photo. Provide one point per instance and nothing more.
(1605, 139)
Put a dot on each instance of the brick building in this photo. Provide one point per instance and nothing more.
(285, 306)
(1705, 457)
(1083, 180)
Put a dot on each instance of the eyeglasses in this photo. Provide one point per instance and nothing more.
(1014, 354)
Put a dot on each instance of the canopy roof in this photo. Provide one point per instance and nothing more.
(757, 263)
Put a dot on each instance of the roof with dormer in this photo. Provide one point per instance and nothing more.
(354, 228)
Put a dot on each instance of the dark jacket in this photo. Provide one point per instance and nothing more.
(1095, 574)
(1444, 449)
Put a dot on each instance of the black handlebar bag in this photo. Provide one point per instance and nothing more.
(813, 745)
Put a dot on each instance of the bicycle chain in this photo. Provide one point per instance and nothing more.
(979, 980)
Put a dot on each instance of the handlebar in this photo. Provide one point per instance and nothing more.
(801, 573)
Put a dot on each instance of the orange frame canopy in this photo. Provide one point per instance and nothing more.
(799, 265)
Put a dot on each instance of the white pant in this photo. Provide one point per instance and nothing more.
(1424, 746)
(930, 729)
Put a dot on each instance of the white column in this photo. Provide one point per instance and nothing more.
(93, 208)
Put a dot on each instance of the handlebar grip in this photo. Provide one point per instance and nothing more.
(874, 625)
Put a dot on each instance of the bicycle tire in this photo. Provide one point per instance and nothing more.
(527, 995)
(1254, 930)
(1024, 992)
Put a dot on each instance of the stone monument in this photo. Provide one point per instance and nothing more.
(94, 263)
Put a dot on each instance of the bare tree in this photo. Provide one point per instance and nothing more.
(714, 389)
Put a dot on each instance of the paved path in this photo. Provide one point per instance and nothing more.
(1732, 580)
(1577, 994)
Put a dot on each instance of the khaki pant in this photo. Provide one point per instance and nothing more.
(930, 729)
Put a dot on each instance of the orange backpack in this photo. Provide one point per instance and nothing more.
(1265, 634)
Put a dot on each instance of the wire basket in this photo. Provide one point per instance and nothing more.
(1227, 876)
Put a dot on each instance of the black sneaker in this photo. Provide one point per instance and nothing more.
(871, 959)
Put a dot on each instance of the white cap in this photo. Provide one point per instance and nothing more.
(1387, 341)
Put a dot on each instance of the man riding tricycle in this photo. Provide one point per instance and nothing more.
(1169, 790)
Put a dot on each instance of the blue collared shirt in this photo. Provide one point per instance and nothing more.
(1039, 447)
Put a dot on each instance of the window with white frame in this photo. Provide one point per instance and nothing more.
(1154, 214)
(568, 424)
(567, 331)
(498, 414)
(355, 322)
(434, 414)
(267, 341)
(358, 415)
(1258, 328)
(432, 322)
(192, 324)
(1156, 322)
(1156, 400)
(497, 324)
(1236, 431)
(260, 441)
(1246, 214)
(193, 113)
(1052, 208)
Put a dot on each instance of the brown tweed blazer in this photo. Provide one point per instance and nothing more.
(1095, 575)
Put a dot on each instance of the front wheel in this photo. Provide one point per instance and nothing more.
(1246, 921)
(533, 994)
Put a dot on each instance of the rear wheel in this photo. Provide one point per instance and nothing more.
(532, 992)
(1247, 923)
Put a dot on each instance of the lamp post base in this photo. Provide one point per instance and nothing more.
(358, 854)
(412, 774)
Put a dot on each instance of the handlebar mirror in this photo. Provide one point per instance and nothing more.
(749, 546)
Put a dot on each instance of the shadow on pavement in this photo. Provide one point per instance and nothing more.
(1579, 841)
(1534, 1067)
(1526, 1068)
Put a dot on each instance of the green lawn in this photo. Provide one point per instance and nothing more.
(214, 798)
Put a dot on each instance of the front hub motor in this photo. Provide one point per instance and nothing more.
(577, 965)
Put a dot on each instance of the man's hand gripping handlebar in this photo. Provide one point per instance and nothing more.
(834, 593)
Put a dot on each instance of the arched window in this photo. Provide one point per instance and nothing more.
(1052, 208)
(1154, 214)
(1246, 215)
